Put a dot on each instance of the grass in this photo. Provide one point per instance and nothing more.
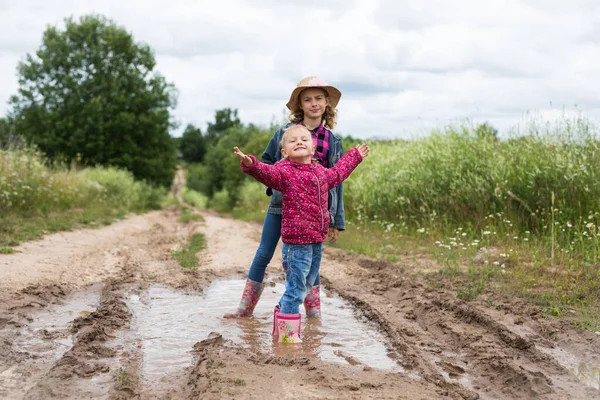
(194, 198)
(540, 184)
(239, 382)
(188, 216)
(169, 201)
(187, 255)
(36, 198)
(7, 250)
(122, 377)
(17, 228)
(253, 202)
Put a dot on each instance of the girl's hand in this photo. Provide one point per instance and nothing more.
(333, 234)
(363, 149)
(245, 159)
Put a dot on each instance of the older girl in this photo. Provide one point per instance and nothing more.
(313, 104)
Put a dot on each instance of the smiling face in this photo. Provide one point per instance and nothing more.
(297, 144)
(313, 102)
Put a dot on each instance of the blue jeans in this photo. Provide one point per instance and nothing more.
(268, 243)
(301, 263)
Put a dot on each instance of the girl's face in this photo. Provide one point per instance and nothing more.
(313, 102)
(298, 145)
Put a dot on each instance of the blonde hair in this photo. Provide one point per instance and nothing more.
(286, 134)
(329, 116)
(289, 129)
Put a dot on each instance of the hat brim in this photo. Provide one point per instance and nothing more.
(333, 95)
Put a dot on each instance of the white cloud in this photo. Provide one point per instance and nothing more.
(403, 66)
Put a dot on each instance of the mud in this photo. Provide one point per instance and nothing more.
(76, 322)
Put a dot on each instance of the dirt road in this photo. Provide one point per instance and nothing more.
(496, 348)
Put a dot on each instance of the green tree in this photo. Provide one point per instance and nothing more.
(177, 144)
(224, 120)
(487, 131)
(220, 169)
(5, 129)
(90, 92)
(192, 145)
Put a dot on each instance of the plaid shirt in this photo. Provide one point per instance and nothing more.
(320, 137)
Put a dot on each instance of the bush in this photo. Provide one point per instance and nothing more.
(29, 185)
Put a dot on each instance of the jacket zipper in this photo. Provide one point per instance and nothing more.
(319, 195)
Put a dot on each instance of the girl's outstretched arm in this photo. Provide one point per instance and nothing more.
(363, 149)
(270, 175)
(245, 159)
(344, 167)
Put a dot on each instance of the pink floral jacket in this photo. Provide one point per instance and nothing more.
(305, 215)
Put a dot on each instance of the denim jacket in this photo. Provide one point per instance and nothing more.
(272, 154)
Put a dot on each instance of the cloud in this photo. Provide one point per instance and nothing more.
(403, 66)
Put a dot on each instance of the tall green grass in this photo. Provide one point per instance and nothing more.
(542, 184)
(35, 197)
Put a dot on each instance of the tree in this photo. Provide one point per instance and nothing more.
(5, 131)
(224, 119)
(90, 93)
(487, 131)
(220, 169)
(192, 145)
(177, 144)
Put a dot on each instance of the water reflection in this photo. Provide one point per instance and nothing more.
(588, 375)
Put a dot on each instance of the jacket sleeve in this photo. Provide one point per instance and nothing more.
(271, 175)
(339, 219)
(269, 156)
(343, 168)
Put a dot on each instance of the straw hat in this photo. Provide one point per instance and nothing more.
(314, 82)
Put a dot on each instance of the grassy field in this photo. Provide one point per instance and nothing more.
(36, 198)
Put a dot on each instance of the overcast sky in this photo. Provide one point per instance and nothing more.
(402, 66)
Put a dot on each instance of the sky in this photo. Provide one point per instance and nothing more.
(403, 66)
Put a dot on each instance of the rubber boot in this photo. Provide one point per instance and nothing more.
(275, 331)
(251, 295)
(312, 302)
(287, 327)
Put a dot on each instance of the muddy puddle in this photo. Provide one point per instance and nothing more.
(587, 373)
(170, 322)
(45, 340)
(48, 336)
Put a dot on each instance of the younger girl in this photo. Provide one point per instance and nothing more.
(304, 185)
(313, 104)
